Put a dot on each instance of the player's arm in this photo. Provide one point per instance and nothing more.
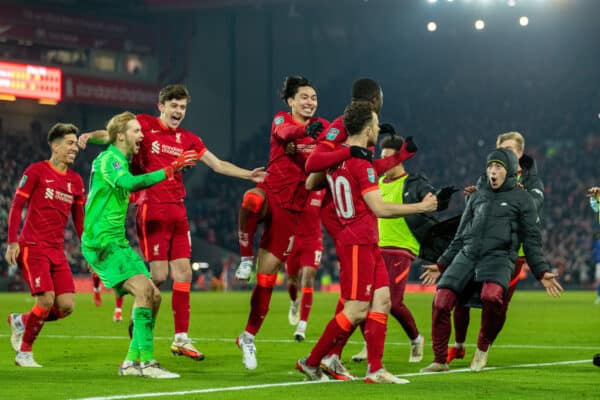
(535, 189)
(14, 222)
(77, 213)
(325, 155)
(316, 181)
(222, 167)
(94, 137)
(119, 177)
(408, 149)
(384, 209)
(27, 185)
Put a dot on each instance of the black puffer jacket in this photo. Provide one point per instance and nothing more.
(492, 226)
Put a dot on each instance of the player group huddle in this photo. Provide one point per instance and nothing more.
(379, 216)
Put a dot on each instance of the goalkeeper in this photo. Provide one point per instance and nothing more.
(105, 246)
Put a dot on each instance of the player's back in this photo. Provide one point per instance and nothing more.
(51, 195)
(159, 148)
(348, 182)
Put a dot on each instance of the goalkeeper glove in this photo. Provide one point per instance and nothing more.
(186, 159)
(313, 129)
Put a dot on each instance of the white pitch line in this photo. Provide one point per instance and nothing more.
(287, 384)
(232, 340)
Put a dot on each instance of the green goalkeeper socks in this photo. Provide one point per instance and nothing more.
(143, 337)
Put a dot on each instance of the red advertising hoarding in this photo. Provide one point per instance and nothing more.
(90, 90)
(30, 81)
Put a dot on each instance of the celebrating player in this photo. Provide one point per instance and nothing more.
(51, 191)
(363, 276)
(286, 197)
(162, 224)
(105, 246)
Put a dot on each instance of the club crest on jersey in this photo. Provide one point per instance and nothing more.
(117, 165)
(332, 133)
(178, 137)
(371, 175)
(279, 120)
(69, 187)
(23, 181)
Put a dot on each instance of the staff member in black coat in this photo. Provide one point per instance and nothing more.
(528, 179)
(497, 219)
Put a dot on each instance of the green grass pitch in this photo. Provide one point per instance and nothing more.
(544, 352)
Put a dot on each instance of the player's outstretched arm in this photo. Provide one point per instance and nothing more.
(384, 209)
(94, 137)
(222, 167)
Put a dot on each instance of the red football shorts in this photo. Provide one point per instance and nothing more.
(306, 253)
(46, 270)
(278, 233)
(163, 231)
(362, 271)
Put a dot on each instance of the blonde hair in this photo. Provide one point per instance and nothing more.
(516, 136)
(118, 124)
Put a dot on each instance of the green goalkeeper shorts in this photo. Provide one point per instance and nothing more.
(115, 264)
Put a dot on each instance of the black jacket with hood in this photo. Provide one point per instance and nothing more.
(492, 226)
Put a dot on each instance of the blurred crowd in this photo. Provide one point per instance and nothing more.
(452, 144)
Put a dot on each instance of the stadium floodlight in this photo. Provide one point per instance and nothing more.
(511, 3)
(432, 26)
(432, 1)
(523, 21)
(479, 24)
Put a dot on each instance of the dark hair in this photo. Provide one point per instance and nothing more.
(357, 115)
(291, 84)
(60, 130)
(365, 89)
(174, 92)
(392, 142)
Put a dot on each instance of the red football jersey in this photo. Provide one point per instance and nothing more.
(159, 148)
(348, 182)
(309, 224)
(51, 195)
(285, 174)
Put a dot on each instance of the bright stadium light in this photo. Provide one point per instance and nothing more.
(432, 1)
(511, 3)
(523, 21)
(432, 26)
(479, 24)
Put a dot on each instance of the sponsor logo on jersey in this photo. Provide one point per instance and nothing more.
(154, 131)
(23, 181)
(332, 133)
(371, 175)
(279, 120)
(155, 147)
(51, 194)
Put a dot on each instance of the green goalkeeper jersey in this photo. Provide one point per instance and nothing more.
(108, 199)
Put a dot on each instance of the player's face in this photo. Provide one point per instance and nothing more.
(511, 144)
(66, 149)
(304, 103)
(133, 136)
(172, 112)
(373, 130)
(496, 175)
